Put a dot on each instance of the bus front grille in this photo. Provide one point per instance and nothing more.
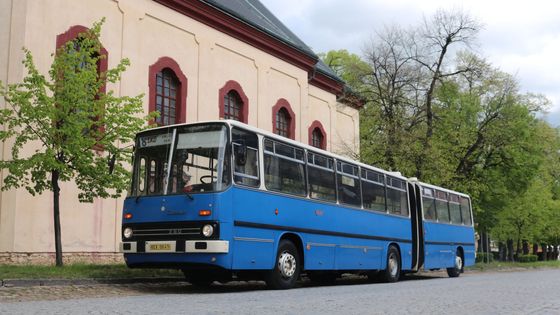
(183, 230)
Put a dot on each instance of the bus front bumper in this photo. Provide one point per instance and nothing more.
(199, 246)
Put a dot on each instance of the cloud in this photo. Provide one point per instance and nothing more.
(520, 37)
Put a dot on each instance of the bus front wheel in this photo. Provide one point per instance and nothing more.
(392, 271)
(286, 269)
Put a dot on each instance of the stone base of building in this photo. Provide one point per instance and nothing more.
(18, 258)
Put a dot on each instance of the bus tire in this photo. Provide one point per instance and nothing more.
(392, 271)
(455, 271)
(286, 267)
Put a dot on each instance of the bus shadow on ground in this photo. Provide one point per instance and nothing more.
(247, 286)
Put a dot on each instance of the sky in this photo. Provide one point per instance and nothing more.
(519, 37)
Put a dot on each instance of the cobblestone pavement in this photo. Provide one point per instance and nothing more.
(523, 292)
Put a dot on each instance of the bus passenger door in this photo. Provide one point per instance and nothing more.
(415, 202)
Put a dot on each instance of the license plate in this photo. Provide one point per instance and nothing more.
(160, 247)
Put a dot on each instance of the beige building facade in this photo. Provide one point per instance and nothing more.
(209, 48)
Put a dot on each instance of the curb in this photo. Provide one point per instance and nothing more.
(10, 283)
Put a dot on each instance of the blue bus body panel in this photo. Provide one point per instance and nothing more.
(334, 237)
(442, 241)
(176, 208)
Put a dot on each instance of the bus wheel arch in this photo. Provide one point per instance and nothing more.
(393, 264)
(458, 264)
(288, 263)
(296, 240)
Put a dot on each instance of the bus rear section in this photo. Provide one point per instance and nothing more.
(448, 235)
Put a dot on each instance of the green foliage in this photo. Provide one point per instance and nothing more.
(82, 271)
(460, 123)
(64, 124)
(483, 257)
(527, 258)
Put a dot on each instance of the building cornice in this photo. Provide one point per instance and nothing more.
(236, 28)
(232, 26)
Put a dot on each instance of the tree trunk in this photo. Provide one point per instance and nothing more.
(510, 249)
(56, 204)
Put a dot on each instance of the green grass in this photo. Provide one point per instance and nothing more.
(82, 271)
(500, 265)
(120, 271)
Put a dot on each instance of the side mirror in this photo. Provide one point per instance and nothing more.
(240, 151)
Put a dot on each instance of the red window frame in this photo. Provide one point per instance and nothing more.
(229, 87)
(167, 63)
(316, 126)
(71, 34)
(291, 118)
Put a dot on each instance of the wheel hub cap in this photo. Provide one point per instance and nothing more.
(393, 265)
(287, 264)
(458, 263)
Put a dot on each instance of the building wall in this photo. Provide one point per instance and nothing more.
(145, 31)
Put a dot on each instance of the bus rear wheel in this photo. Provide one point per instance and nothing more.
(455, 271)
(286, 269)
(392, 271)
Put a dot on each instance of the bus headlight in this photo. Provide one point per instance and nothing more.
(127, 233)
(207, 230)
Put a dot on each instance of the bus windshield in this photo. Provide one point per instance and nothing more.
(196, 155)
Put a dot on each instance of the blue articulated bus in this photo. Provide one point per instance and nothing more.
(222, 200)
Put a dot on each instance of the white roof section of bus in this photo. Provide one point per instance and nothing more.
(310, 148)
(441, 188)
(268, 134)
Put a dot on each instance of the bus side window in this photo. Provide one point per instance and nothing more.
(397, 202)
(429, 204)
(348, 184)
(466, 211)
(246, 171)
(442, 207)
(320, 173)
(373, 190)
(454, 209)
(284, 168)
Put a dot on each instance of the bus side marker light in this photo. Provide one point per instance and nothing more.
(204, 213)
(128, 216)
(308, 247)
(276, 211)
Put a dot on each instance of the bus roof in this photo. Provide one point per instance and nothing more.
(269, 134)
(441, 188)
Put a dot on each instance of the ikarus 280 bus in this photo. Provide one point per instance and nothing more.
(222, 200)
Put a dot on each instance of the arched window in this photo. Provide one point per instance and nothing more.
(283, 119)
(283, 123)
(233, 102)
(74, 32)
(168, 92)
(317, 135)
(233, 106)
(166, 97)
(317, 138)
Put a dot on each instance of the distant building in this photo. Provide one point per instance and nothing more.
(193, 60)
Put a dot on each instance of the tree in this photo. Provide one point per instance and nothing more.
(76, 131)
(456, 122)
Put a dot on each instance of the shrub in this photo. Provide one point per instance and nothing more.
(527, 258)
(483, 257)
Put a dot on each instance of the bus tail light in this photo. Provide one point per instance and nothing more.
(204, 213)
